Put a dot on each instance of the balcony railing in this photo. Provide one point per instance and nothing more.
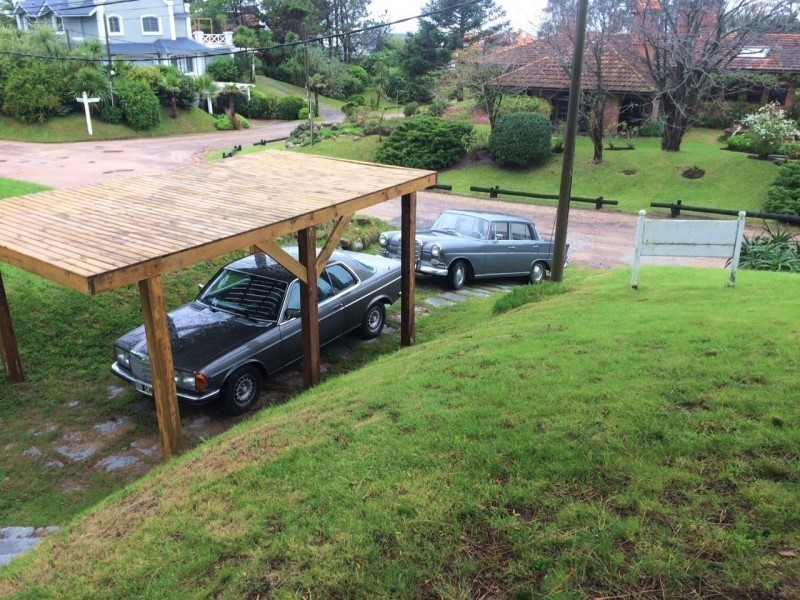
(214, 40)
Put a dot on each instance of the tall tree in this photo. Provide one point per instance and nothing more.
(604, 19)
(686, 44)
(461, 25)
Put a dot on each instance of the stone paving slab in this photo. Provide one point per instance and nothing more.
(15, 540)
(452, 296)
(473, 292)
(437, 302)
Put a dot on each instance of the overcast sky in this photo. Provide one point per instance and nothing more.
(521, 13)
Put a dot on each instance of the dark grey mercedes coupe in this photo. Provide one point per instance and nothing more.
(245, 325)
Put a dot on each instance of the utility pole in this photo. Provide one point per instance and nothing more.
(110, 63)
(308, 86)
(568, 164)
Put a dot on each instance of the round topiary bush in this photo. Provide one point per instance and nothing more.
(520, 139)
(224, 69)
(425, 142)
(289, 107)
(139, 104)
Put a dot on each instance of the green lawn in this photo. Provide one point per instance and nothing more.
(14, 187)
(266, 84)
(602, 442)
(72, 128)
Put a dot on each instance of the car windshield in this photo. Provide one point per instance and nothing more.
(244, 294)
(459, 224)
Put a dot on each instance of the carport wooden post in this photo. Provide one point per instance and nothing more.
(309, 315)
(8, 341)
(408, 235)
(156, 329)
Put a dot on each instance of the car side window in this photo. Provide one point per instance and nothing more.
(340, 278)
(324, 291)
(500, 231)
(324, 287)
(520, 231)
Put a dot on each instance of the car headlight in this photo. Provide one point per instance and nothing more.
(382, 239)
(436, 250)
(123, 357)
(185, 379)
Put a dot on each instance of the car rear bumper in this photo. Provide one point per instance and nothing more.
(183, 395)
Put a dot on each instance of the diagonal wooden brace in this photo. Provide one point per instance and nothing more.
(284, 258)
(333, 239)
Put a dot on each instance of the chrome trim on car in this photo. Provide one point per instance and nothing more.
(432, 271)
(183, 395)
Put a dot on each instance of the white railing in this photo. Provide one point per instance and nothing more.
(214, 39)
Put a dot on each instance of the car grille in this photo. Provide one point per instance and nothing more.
(141, 368)
(394, 248)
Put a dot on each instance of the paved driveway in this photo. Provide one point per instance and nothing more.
(597, 238)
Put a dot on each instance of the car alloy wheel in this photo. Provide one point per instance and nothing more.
(374, 319)
(242, 390)
(538, 273)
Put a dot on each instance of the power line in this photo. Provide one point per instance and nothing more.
(316, 39)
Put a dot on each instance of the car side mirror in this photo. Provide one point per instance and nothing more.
(291, 313)
(201, 286)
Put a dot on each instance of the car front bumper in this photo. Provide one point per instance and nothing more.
(143, 386)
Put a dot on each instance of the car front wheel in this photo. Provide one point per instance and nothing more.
(372, 324)
(457, 275)
(241, 390)
(538, 273)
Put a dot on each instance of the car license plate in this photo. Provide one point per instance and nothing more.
(144, 388)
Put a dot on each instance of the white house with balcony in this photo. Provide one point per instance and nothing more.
(146, 32)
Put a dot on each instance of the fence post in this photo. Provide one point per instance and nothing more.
(638, 254)
(737, 249)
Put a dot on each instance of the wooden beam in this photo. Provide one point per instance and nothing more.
(156, 329)
(333, 239)
(309, 314)
(272, 248)
(408, 232)
(8, 341)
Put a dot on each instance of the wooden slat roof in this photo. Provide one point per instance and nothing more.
(99, 237)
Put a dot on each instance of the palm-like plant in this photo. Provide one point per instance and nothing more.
(92, 81)
(317, 83)
(207, 88)
(230, 92)
(171, 82)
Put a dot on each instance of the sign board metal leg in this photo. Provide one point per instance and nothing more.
(737, 249)
(638, 254)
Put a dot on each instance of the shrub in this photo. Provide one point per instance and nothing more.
(771, 251)
(224, 69)
(741, 143)
(425, 142)
(437, 107)
(783, 197)
(521, 103)
(139, 104)
(357, 100)
(347, 85)
(768, 128)
(289, 107)
(110, 114)
(520, 139)
(33, 91)
(652, 129)
(359, 73)
(261, 105)
(149, 75)
(223, 123)
(410, 109)
(477, 141)
(302, 114)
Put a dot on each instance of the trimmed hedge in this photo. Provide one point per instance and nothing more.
(520, 139)
(261, 105)
(34, 91)
(223, 123)
(139, 104)
(783, 197)
(425, 142)
(289, 108)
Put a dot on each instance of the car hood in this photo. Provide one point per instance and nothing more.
(428, 236)
(198, 335)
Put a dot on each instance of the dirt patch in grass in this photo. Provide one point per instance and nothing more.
(693, 173)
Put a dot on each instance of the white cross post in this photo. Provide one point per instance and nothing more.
(85, 101)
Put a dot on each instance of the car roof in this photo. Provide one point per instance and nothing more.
(255, 264)
(489, 214)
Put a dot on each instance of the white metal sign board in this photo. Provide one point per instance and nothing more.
(715, 239)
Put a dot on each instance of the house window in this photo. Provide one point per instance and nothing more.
(151, 25)
(185, 64)
(115, 25)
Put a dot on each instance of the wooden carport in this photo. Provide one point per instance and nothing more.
(100, 237)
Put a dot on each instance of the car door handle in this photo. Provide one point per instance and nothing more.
(339, 306)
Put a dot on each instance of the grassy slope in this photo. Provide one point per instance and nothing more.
(14, 187)
(603, 442)
(72, 128)
(265, 84)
